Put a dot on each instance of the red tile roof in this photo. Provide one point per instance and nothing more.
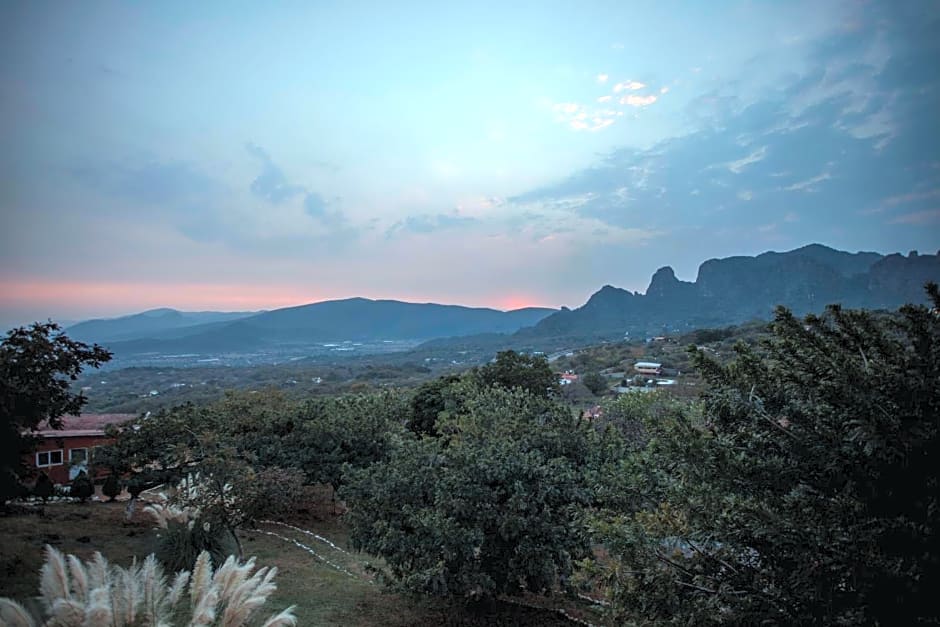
(86, 424)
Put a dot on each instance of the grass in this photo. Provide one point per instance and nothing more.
(323, 593)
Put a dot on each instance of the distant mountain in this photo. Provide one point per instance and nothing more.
(147, 324)
(354, 319)
(737, 289)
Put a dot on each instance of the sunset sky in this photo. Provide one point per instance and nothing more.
(240, 156)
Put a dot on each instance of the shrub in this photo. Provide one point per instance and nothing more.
(181, 543)
(44, 487)
(111, 487)
(82, 487)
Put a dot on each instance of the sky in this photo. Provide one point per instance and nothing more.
(247, 155)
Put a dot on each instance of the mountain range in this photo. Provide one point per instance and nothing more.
(738, 289)
(355, 320)
(726, 291)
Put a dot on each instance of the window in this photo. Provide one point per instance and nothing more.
(78, 455)
(49, 458)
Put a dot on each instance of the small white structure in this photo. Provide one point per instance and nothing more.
(648, 367)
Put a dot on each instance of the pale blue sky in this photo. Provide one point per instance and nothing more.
(234, 155)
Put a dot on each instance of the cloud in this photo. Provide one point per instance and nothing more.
(582, 118)
(431, 223)
(638, 101)
(808, 185)
(605, 98)
(628, 86)
(810, 153)
(602, 78)
(929, 216)
(272, 184)
(893, 201)
(319, 209)
(152, 183)
(738, 166)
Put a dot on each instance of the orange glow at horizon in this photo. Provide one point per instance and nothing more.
(126, 297)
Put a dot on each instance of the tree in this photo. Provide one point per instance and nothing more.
(807, 489)
(595, 382)
(517, 370)
(37, 367)
(429, 401)
(492, 506)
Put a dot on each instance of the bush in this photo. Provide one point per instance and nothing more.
(44, 487)
(181, 543)
(111, 487)
(135, 486)
(82, 487)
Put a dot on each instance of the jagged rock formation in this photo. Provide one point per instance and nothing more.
(737, 289)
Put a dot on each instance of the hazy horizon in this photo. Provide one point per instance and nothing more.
(226, 158)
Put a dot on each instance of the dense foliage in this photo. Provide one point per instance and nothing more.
(518, 370)
(493, 506)
(37, 367)
(805, 492)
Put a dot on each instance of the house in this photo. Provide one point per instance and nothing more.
(63, 453)
(567, 378)
(648, 367)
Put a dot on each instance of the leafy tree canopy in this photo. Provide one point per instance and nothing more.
(37, 366)
(806, 491)
(493, 506)
(518, 370)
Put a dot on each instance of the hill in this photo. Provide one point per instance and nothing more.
(147, 324)
(293, 328)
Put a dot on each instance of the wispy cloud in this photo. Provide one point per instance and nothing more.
(602, 78)
(810, 184)
(928, 216)
(628, 86)
(738, 166)
(431, 223)
(272, 183)
(638, 101)
(583, 118)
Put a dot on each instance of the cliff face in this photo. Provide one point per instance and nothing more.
(737, 289)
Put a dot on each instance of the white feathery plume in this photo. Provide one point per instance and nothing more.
(54, 578)
(201, 579)
(98, 572)
(246, 598)
(98, 611)
(152, 590)
(204, 612)
(12, 614)
(178, 587)
(66, 613)
(285, 619)
(79, 578)
(231, 575)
